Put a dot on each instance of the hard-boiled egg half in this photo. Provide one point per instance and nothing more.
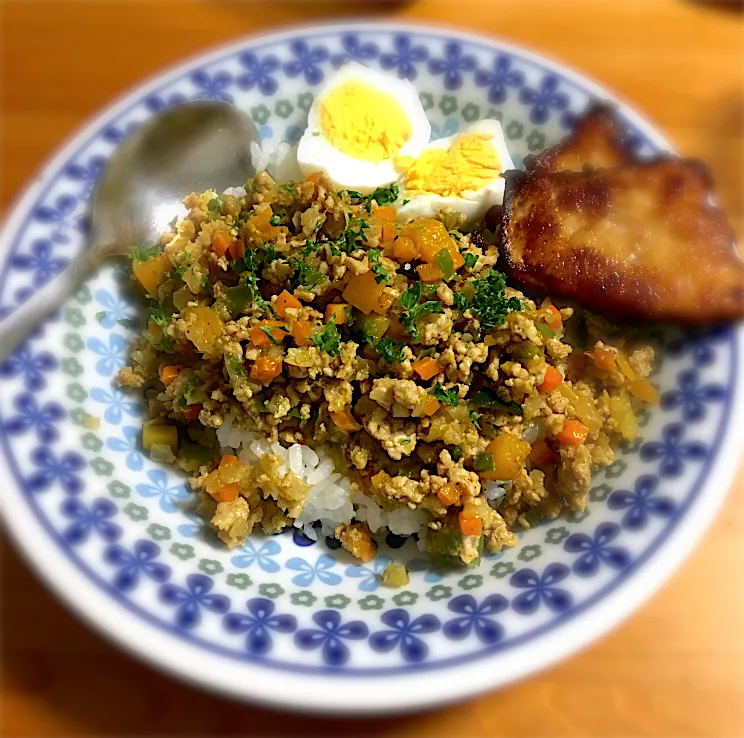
(359, 124)
(462, 172)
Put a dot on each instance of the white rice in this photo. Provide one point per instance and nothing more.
(329, 501)
(279, 160)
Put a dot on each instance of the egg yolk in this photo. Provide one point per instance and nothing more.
(363, 122)
(469, 164)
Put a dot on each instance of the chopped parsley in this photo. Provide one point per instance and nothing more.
(349, 239)
(100, 317)
(156, 314)
(382, 196)
(532, 516)
(143, 253)
(449, 396)
(470, 260)
(381, 274)
(287, 188)
(215, 205)
(294, 413)
(127, 322)
(474, 418)
(390, 350)
(267, 330)
(410, 301)
(405, 441)
(457, 236)
(305, 275)
(489, 302)
(191, 384)
(406, 201)
(488, 398)
(329, 340)
(461, 301)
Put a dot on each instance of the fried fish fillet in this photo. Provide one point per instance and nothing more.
(596, 142)
(641, 241)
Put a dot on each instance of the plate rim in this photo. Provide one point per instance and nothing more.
(339, 694)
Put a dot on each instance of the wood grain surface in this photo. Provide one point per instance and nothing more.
(676, 667)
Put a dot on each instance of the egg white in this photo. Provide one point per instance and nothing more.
(315, 153)
(474, 203)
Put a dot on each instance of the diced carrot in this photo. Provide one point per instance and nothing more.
(404, 249)
(169, 374)
(603, 359)
(643, 390)
(457, 258)
(314, 177)
(573, 433)
(259, 337)
(448, 494)
(430, 273)
(509, 454)
(541, 455)
(284, 301)
(337, 313)
(384, 303)
(363, 292)
(259, 225)
(150, 273)
(553, 379)
(551, 315)
(388, 233)
(191, 412)
(237, 248)
(426, 367)
(266, 368)
(221, 242)
(229, 460)
(470, 525)
(302, 331)
(385, 213)
(345, 420)
(228, 493)
(431, 405)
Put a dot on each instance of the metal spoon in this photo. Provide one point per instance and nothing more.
(190, 147)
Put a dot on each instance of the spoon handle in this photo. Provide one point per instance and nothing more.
(22, 321)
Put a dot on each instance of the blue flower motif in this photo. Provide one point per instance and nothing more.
(700, 343)
(306, 62)
(452, 64)
(404, 58)
(310, 572)
(541, 589)
(112, 355)
(194, 527)
(448, 128)
(40, 262)
(692, 397)
(370, 575)
(597, 550)
(61, 216)
(499, 80)
(155, 103)
(159, 488)
(87, 174)
(262, 556)
(31, 366)
(115, 135)
(115, 308)
(432, 575)
(132, 564)
(190, 599)
(117, 404)
(475, 617)
(32, 416)
(258, 73)
(404, 633)
(330, 636)
(258, 624)
(213, 87)
(641, 504)
(673, 451)
(53, 469)
(129, 446)
(300, 539)
(89, 519)
(354, 50)
(544, 99)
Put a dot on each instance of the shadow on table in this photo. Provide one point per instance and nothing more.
(75, 683)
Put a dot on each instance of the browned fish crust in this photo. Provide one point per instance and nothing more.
(596, 142)
(641, 241)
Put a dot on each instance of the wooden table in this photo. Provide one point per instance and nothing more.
(675, 668)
